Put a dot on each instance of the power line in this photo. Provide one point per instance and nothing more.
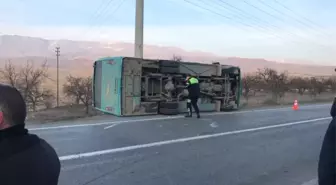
(219, 14)
(243, 23)
(248, 15)
(270, 27)
(101, 6)
(102, 12)
(297, 20)
(312, 23)
(112, 12)
(265, 12)
(104, 15)
(276, 17)
(96, 15)
(299, 39)
(256, 19)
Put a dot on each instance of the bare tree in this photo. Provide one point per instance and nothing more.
(87, 98)
(80, 89)
(316, 86)
(249, 83)
(276, 83)
(31, 81)
(72, 90)
(48, 99)
(333, 84)
(36, 95)
(28, 80)
(10, 74)
(177, 58)
(312, 87)
(300, 84)
(329, 84)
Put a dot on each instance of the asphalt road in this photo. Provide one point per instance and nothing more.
(261, 147)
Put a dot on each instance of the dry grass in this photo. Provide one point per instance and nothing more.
(264, 99)
(63, 73)
(68, 112)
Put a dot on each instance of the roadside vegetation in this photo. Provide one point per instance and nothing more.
(39, 92)
(262, 88)
(270, 87)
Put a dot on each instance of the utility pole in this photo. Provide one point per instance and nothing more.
(57, 80)
(139, 23)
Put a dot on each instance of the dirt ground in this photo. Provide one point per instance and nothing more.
(264, 99)
(71, 112)
(68, 112)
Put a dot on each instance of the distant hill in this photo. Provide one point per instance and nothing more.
(78, 56)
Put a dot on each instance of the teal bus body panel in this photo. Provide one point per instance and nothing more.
(111, 85)
(117, 88)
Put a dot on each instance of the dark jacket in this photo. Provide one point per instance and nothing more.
(327, 165)
(25, 159)
(193, 88)
(333, 108)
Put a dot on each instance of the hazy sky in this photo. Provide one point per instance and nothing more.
(273, 29)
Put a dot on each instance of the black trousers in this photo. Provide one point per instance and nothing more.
(193, 103)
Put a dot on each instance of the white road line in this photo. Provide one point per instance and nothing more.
(311, 182)
(113, 125)
(182, 140)
(103, 123)
(163, 118)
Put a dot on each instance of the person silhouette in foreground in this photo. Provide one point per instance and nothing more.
(25, 159)
(327, 159)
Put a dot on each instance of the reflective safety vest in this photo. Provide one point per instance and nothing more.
(192, 80)
(193, 87)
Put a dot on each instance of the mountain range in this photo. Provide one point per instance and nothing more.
(78, 56)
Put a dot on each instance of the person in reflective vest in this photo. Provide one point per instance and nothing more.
(193, 95)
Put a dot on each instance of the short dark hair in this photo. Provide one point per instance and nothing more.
(12, 105)
(188, 75)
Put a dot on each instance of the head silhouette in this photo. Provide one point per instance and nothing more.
(12, 107)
